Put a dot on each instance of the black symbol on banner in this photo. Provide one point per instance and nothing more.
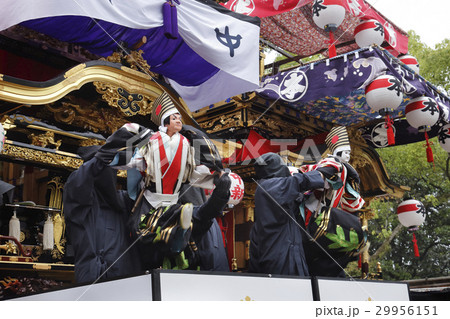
(430, 106)
(379, 27)
(317, 7)
(229, 40)
(395, 87)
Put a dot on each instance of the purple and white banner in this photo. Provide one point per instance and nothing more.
(216, 57)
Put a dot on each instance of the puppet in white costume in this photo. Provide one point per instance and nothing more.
(342, 190)
(156, 171)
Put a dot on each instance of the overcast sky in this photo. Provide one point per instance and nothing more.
(430, 19)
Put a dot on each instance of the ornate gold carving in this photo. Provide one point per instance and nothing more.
(224, 122)
(277, 126)
(31, 155)
(87, 117)
(134, 60)
(250, 213)
(43, 140)
(91, 142)
(59, 227)
(9, 248)
(130, 104)
(358, 158)
(355, 136)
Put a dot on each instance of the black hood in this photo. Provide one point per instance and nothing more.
(271, 165)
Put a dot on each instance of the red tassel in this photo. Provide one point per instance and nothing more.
(430, 158)
(332, 48)
(359, 262)
(390, 131)
(416, 248)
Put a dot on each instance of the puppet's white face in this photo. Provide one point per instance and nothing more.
(175, 124)
(345, 156)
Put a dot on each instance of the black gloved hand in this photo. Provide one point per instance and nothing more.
(352, 174)
(328, 171)
(223, 184)
(125, 138)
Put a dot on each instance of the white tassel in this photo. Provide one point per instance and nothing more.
(48, 234)
(14, 227)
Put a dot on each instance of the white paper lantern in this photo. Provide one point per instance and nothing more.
(411, 62)
(411, 213)
(236, 189)
(384, 93)
(328, 14)
(444, 137)
(422, 113)
(369, 32)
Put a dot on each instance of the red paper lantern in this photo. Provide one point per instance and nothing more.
(369, 32)
(411, 213)
(422, 113)
(328, 15)
(236, 189)
(384, 95)
(411, 62)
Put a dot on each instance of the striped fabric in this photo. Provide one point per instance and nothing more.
(336, 138)
(162, 107)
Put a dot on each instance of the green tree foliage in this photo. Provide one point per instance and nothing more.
(434, 62)
(407, 165)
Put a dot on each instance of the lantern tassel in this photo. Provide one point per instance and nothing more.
(390, 131)
(416, 248)
(332, 48)
(14, 227)
(359, 262)
(47, 241)
(430, 158)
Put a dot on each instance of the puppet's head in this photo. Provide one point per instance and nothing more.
(338, 143)
(163, 107)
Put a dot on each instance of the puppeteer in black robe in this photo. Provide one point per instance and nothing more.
(276, 238)
(206, 231)
(96, 215)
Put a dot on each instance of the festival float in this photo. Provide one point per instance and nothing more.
(72, 76)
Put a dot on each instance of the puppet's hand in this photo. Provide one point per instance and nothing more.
(223, 184)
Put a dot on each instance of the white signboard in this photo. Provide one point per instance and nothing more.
(127, 289)
(204, 287)
(360, 290)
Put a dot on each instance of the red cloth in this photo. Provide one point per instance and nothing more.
(304, 38)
